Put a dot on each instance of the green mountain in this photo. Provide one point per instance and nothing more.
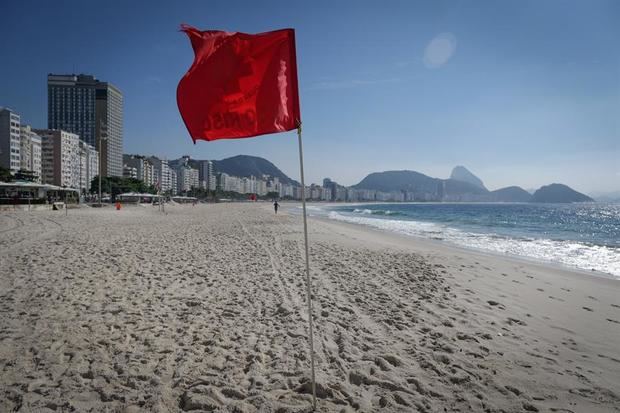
(246, 166)
(399, 180)
(559, 193)
(511, 194)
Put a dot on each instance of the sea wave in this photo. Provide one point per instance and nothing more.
(311, 208)
(376, 212)
(570, 253)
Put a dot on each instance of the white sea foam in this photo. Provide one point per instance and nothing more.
(311, 208)
(374, 212)
(569, 253)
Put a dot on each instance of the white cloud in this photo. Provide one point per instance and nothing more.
(439, 50)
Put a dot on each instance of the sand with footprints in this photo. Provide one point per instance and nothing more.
(203, 309)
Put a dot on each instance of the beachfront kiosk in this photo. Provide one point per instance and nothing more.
(31, 193)
(185, 199)
(138, 198)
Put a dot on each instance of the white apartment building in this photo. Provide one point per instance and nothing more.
(60, 158)
(30, 152)
(130, 172)
(149, 173)
(287, 191)
(229, 183)
(89, 165)
(194, 178)
(207, 174)
(145, 170)
(161, 173)
(248, 185)
(261, 187)
(173, 181)
(326, 194)
(187, 178)
(341, 194)
(10, 142)
(252, 185)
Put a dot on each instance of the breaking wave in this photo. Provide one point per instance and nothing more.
(584, 256)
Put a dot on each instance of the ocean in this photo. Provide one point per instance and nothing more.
(584, 236)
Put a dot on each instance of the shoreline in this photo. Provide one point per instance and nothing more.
(491, 254)
(474, 250)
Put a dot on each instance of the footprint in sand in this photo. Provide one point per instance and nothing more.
(608, 357)
(511, 321)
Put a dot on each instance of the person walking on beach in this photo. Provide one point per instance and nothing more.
(275, 206)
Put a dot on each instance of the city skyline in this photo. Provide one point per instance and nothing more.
(442, 85)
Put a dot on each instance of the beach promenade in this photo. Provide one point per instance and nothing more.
(204, 309)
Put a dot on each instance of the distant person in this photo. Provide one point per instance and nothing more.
(276, 206)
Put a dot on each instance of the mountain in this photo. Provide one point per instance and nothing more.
(423, 187)
(511, 194)
(455, 190)
(460, 173)
(399, 180)
(246, 166)
(558, 193)
(606, 196)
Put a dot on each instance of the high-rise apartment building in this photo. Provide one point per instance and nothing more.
(161, 174)
(10, 142)
(60, 158)
(228, 183)
(144, 168)
(30, 152)
(130, 172)
(89, 165)
(83, 105)
(207, 175)
(187, 178)
(261, 187)
(173, 182)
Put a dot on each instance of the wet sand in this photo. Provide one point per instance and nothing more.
(203, 309)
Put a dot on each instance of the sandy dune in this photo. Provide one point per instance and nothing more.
(203, 309)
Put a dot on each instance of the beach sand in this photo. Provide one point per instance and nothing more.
(204, 309)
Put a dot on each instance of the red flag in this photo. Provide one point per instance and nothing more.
(240, 85)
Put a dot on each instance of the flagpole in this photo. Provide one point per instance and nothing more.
(308, 290)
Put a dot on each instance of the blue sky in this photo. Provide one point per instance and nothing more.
(520, 92)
